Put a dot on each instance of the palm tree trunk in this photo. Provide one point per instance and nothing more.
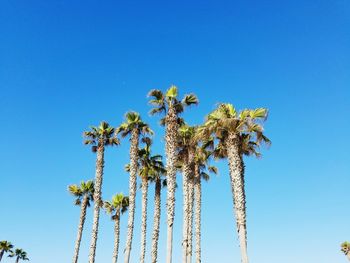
(170, 149)
(97, 200)
(132, 191)
(116, 237)
(156, 220)
(348, 256)
(1, 254)
(236, 167)
(185, 173)
(80, 228)
(144, 219)
(17, 259)
(198, 209)
(190, 219)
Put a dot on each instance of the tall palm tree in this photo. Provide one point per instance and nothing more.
(19, 254)
(5, 247)
(116, 207)
(345, 248)
(150, 167)
(169, 104)
(239, 134)
(99, 137)
(201, 171)
(84, 195)
(186, 153)
(133, 126)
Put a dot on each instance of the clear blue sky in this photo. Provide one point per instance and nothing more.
(65, 65)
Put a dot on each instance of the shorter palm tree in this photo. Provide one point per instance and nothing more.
(5, 247)
(117, 206)
(19, 254)
(345, 248)
(84, 194)
(99, 137)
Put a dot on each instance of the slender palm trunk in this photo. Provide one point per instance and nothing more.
(17, 259)
(198, 209)
(116, 237)
(132, 191)
(185, 174)
(170, 149)
(236, 167)
(156, 221)
(144, 219)
(97, 199)
(190, 218)
(348, 255)
(80, 228)
(1, 254)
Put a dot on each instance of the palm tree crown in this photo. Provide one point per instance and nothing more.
(133, 121)
(162, 102)
(85, 189)
(5, 247)
(101, 135)
(20, 254)
(247, 124)
(118, 204)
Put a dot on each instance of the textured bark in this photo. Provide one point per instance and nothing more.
(116, 237)
(185, 177)
(190, 219)
(236, 168)
(198, 209)
(170, 149)
(97, 200)
(144, 219)
(132, 191)
(80, 228)
(156, 222)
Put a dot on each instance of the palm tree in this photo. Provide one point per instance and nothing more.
(150, 167)
(99, 137)
(19, 254)
(158, 182)
(201, 171)
(84, 195)
(169, 104)
(116, 207)
(186, 153)
(239, 134)
(5, 247)
(133, 126)
(345, 248)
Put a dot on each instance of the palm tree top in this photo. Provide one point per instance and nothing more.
(20, 253)
(118, 203)
(133, 120)
(226, 119)
(85, 189)
(163, 101)
(6, 246)
(102, 134)
(345, 247)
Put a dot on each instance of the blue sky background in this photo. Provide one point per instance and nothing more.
(65, 65)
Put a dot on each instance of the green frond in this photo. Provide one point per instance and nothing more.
(259, 113)
(171, 93)
(190, 99)
(156, 93)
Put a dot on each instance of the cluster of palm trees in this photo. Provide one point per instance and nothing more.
(225, 134)
(18, 253)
